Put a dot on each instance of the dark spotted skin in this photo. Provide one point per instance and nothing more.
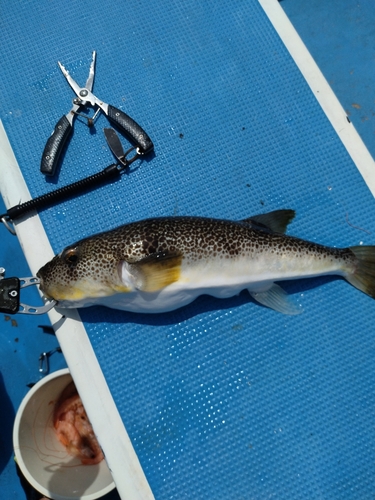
(197, 238)
(194, 237)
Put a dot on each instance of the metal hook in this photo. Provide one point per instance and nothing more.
(6, 221)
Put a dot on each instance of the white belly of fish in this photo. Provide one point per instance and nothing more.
(168, 299)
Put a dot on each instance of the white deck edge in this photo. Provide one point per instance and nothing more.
(120, 456)
(322, 91)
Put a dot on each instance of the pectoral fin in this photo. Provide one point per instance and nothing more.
(277, 299)
(155, 271)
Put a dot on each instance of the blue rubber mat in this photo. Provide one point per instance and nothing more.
(223, 398)
(341, 40)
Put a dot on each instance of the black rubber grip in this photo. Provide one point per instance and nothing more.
(10, 295)
(55, 145)
(46, 200)
(130, 129)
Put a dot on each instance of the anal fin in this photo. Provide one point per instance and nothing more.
(277, 299)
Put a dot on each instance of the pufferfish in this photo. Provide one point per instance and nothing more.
(161, 264)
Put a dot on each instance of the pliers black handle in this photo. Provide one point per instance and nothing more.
(64, 128)
(130, 129)
(55, 144)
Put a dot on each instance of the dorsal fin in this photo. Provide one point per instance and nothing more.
(276, 221)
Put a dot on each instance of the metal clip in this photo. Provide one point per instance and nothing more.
(44, 360)
(115, 146)
(125, 161)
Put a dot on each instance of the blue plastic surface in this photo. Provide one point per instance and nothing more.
(223, 398)
(341, 40)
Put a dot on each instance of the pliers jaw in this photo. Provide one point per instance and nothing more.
(81, 92)
(77, 89)
(124, 123)
(84, 95)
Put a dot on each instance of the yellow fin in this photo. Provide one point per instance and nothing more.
(157, 271)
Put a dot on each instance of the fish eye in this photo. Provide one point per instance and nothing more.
(71, 256)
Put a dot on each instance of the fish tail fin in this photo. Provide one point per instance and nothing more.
(363, 276)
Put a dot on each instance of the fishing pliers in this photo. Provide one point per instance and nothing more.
(124, 123)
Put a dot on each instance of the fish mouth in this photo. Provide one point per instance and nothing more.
(42, 288)
(45, 289)
(41, 283)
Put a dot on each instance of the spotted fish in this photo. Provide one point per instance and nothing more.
(161, 264)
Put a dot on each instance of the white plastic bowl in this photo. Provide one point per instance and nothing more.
(41, 457)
